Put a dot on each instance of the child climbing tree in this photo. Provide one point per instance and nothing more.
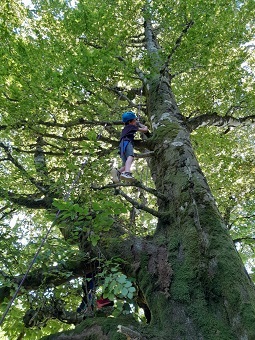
(68, 71)
(126, 147)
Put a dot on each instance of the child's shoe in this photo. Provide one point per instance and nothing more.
(115, 175)
(127, 176)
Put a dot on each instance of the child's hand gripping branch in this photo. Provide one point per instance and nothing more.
(127, 146)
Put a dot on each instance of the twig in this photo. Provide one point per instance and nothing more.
(138, 205)
(134, 184)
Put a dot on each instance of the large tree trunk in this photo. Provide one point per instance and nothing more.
(194, 283)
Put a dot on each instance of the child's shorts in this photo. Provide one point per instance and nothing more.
(129, 151)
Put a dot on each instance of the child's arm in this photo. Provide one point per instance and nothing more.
(142, 128)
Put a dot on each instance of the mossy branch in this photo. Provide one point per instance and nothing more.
(130, 333)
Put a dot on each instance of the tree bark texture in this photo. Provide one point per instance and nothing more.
(193, 279)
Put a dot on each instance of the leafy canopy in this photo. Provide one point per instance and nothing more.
(66, 70)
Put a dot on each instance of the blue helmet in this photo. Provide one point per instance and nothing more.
(129, 115)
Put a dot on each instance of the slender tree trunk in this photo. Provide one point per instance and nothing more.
(191, 275)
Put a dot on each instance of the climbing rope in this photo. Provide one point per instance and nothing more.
(66, 197)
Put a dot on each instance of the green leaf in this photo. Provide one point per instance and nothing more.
(122, 279)
(132, 289)
(124, 291)
(130, 295)
(128, 284)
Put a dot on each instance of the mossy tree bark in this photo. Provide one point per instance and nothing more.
(194, 282)
(193, 278)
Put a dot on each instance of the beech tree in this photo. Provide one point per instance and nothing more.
(169, 249)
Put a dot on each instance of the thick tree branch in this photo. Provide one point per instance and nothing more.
(141, 76)
(53, 310)
(55, 275)
(151, 41)
(85, 40)
(214, 119)
(152, 45)
(46, 153)
(80, 138)
(139, 144)
(246, 239)
(32, 201)
(73, 123)
(144, 154)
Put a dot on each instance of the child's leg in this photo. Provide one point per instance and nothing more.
(128, 163)
(127, 176)
(127, 160)
(124, 160)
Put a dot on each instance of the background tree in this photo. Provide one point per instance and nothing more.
(68, 71)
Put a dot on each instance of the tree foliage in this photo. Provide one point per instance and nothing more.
(68, 71)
